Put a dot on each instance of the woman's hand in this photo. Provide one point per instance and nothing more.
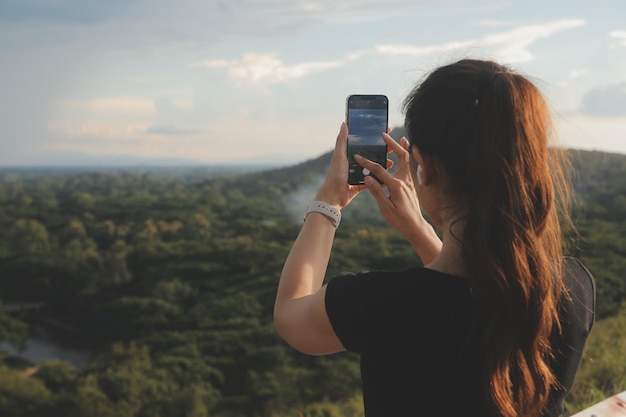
(401, 208)
(335, 190)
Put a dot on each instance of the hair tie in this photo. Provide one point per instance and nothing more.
(485, 86)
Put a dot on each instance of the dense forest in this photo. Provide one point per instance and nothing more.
(168, 276)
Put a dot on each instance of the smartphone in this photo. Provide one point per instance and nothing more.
(367, 119)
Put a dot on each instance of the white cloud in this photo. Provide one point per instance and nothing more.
(111, 106)
(96, 130)
(94, 137)
(577, 73)
(268, 67)
(511, 46)
(324, 7)
(620, 36)
(403, 49)
(607, 101)
(172, 131)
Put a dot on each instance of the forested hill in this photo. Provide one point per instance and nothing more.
(599, 178)
(169, 277)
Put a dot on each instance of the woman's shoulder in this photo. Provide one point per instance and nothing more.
(409, 279)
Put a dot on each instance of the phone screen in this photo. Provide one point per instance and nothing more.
(367, 120)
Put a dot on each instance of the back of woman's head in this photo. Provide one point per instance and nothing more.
(485, 129)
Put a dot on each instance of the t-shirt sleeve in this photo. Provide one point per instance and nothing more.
(344, 306)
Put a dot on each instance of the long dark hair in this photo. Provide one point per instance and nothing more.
(487, 129)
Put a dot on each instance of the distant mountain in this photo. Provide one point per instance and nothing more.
(290, 178)
(80, 159)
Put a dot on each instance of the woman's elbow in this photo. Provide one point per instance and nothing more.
(279, 323)
(304, 335)
(286, 330)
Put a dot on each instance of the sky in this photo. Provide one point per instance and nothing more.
(265, 81)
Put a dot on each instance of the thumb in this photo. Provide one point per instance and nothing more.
(376, 190)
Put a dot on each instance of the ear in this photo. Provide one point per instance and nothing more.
(421, 161)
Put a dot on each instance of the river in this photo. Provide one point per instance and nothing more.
(42, 344)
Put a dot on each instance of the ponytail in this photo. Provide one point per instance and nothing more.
(488, 128)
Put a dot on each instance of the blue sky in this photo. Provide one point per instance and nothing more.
(265, 81)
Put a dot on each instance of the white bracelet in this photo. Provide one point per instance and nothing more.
(326, 209)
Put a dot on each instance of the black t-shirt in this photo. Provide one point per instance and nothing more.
(412, 329)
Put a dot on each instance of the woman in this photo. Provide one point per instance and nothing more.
(495, 322)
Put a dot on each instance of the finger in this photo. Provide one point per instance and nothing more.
(390, 164)
(342, 138)
(405, 143)
(375, 168)
(389, 129)
(395, 146)
(401, 149)
(389, 150)
(377, 191)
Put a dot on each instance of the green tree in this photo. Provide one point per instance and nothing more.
(13, 331)
(29, 237)
(58, 376)
(90, 401)
(124, 376)
(115, 268)
(22, 396)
